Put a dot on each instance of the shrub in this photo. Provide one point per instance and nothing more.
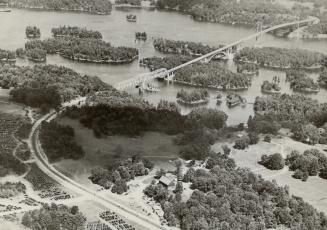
(273, 162)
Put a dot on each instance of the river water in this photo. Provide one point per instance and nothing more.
(170, 25)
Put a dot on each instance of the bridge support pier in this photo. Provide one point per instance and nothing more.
(170, 77)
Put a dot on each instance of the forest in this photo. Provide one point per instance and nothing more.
(226, 197)
(74, 31)
(119, 172)
(193, 97)
(32, 32)
(270, 87)
(316, 29)
(30, 83)
(323, 78)
(58, 142)
(212, 75)
(128, 2)
(54, 217)
(6, 55)
(85, 50)
(232, 11)
(280, 57)
(182, 47)
(299, 81)
(87, 6)
(37, 55)
(154, 63)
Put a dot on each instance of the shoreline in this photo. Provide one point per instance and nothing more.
(193, 103)
(60, 10)
(312, 68)
(100, 61)
(210, 86)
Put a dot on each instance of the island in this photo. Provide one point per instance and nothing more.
(270, 87)
(85, 50)
(131, 18)
(32, 32)
(74, 31)
(141, 36)
(101, 7)
(280, 58)
(182, 47)
(299, 81)
(234, 99)
(7, 56)
(195, 97)
(248, 68)
(316, 31)
(36, 55)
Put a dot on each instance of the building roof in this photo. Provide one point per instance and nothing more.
(165, 180)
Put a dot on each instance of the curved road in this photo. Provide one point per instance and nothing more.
(65, 181)
(43, 164)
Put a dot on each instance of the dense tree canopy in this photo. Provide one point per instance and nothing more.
(232, 11)
(54, 217)
(280, 57)
(35, 80)
(88, 6)
(85, 49)
(74, 31)
(58, 142)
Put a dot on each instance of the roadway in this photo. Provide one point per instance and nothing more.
(43, 163)
(67, 182)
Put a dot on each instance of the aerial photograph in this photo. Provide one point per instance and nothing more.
(163, 114)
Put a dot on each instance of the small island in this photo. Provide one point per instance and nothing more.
(195, 97)
(36, 55)
(77, 32)
(280, 58)
(141, 36)
(234, 99)
(131, 18)
(7, 56)
(182, 47)
(32, 32)
(271, 87)
(299, 81)
(248, 69)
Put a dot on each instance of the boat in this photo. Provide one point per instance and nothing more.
(131, 18)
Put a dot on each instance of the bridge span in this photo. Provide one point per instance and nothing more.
(169, 74)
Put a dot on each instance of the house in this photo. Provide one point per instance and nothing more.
(166, 181)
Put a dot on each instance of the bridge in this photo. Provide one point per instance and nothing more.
(169, 74)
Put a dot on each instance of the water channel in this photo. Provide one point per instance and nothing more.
(171, 25)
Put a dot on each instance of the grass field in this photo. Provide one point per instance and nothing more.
(313, 191)
(155, 146)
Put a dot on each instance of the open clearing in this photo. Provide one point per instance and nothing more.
(101, 152)
(314, 190)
